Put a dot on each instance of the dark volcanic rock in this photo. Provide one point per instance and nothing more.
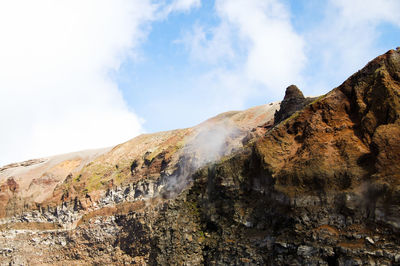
(320, 188)
(294, 101)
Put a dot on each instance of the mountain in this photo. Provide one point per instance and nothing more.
(88, 174)
(311, 181)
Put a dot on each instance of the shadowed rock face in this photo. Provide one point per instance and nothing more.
(294, 101)
(321, 187)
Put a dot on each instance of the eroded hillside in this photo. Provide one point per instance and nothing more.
(319, 186)
(155, 163)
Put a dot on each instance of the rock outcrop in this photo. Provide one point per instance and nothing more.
(293, 101)
(320, 187)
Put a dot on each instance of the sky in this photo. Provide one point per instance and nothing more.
(83, 74)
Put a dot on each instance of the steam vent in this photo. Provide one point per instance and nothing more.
(320, 186)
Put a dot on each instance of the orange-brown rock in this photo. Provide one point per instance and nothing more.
(86, 175)
(345, 138)
(320, 187)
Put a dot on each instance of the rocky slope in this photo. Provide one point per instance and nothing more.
(320, 185)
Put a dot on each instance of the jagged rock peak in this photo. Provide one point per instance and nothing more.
(293, 92)
(293, 101)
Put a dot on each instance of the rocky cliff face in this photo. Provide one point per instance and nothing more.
(320, 187)
(293, 101)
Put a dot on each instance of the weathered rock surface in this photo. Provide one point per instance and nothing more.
(293, 101)
(321, 187)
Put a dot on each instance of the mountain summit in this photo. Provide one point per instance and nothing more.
(316, 182)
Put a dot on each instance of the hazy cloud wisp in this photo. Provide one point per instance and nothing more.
(253, 48)
(346, 39)
(55, 58)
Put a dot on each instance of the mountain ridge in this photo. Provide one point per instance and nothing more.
(143, 149)
(317, 186)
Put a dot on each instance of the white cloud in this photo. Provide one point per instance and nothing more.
(346, 38)
(252, 52)
(209, 45)
(254, 48)
(56, 94)
(185, 5)
(178, 6)
(275, 52)
(368, 11)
